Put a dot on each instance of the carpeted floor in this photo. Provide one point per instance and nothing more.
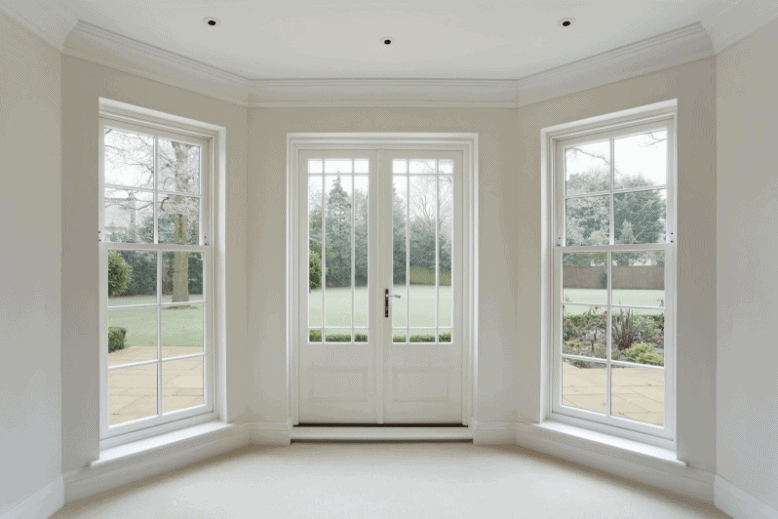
(383, 480)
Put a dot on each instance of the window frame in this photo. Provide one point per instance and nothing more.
(555, 140)
(121, 118)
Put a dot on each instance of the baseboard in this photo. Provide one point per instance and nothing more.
(40, 505)
(655, 471)
(116, 471)
(494, 433)
(739, 503)
(270, 433)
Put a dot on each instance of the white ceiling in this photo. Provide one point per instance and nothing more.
(434, 39)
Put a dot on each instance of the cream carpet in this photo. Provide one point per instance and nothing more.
(385, 480)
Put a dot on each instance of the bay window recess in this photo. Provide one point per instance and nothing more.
(156, 264)
(613, 277)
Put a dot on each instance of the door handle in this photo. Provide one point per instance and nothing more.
(387, 295)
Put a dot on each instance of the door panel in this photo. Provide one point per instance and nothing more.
(378, 220)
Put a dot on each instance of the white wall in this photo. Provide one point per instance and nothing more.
(267, 240)
(693, 86)
(31, 238)
(83, 84)
(747, 261)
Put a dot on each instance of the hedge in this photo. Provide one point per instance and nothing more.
(116, 336)
(315, 336)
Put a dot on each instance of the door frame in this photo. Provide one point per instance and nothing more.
(467, 143)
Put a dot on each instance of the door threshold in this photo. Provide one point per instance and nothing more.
(373, 433)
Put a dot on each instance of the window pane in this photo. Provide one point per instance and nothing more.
(182, 277)
(585, 278)
(182, 330)
(400, 166)
(587, 168)
(399, 336)
(399, 249)
(132, 278)
(422, 199)
(179, 167)
(584, 385)
(587, 220)
(179, 219)
(182, 384)
(361, 166)
(585, 331)
(445, 248)
(337, 166)
(315, 197)
(315, 166)
(638, 337)
(338, 335)
(639, 216)
(422, 336)
(445, 336)
(132, 335)
(314, 335)
(361, 232)
(132, 393)
(638, 278)
(446, 167)
(638, 394)
(421, 166)
(641, 160)
(129, 158)
(360, 335)
(338, 229)
(129, 216)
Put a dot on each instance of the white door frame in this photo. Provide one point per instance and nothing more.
(467, 143)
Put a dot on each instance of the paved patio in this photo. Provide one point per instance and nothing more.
(132, 392)
(638, 393)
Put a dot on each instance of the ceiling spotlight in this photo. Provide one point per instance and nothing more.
(387, 41)
(212, 21)
(566, 22)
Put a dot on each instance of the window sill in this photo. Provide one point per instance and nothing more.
(601, 443)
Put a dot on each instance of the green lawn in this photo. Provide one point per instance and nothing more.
(620, 297)
(422, 301)
(181, 326)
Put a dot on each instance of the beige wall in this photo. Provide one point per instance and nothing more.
(693, 86)
(31, 238)
(267, 240)
(747, 259)
(83, 84)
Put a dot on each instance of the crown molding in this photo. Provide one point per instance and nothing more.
(101, 46)
(732, 20)
(50, 20)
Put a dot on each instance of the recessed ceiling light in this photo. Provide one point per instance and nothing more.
(212, 21)
(566, 22)
(387, 41)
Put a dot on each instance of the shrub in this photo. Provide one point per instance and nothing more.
(314, 277)
(314, 335)
(644, 354)
(338, 337)
(625, 329)
(119, 273)
(445, 337)
(604, 280)
(599, 351)
(116, 336)
(423, 338)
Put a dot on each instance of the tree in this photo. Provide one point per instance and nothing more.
(119, 273)
(338, 236)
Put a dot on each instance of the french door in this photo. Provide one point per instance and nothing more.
(379, 335)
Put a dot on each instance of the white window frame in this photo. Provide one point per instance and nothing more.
(553, 141)
(122, 116)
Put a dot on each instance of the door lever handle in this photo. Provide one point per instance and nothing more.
(387, 295)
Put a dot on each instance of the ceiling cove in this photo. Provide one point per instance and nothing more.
(724, 24)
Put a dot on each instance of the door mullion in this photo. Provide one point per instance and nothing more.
(378, 244)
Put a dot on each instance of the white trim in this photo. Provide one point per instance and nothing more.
(740, 504)
(50, 20)
(494, 433)
(467, 143)
(40, 505)
(154, 456)
(104, 47)
(648, 465)
(357, 433)
(270, 433)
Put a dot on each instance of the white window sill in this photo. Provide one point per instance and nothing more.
(197, 434)
(602, 443)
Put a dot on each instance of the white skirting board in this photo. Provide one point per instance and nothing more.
(40, 505)
(740, 504)
(270, 433)
(493, 433)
